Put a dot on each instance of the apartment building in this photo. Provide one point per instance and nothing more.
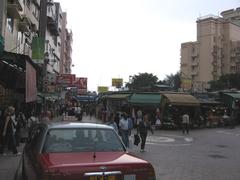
(21, 25)
(52, 30)
(215, 53)
(66, 49)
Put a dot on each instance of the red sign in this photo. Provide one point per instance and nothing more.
(66, 79)
(80, 83)
(31, 86)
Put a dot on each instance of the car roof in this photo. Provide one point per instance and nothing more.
(53, 125)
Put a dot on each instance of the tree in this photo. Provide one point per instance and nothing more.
(173, 80)
(227, 81)
(142, 82)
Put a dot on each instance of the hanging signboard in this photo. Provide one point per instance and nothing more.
(117, 82)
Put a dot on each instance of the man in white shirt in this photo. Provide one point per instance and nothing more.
(124, 129)
(185, 123)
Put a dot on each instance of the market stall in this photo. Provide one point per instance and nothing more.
(173, 105)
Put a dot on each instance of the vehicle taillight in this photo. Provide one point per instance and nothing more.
(151, 174)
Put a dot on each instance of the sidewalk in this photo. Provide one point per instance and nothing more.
(10, 165)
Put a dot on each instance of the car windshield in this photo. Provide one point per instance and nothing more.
(82, 140)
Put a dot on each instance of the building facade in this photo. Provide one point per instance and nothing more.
(26, 27)
(66, 50)
(215, 52)
(19, 23)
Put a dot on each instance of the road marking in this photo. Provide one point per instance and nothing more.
(164, 144)
(228, 133)
(160, 139)
(188, 139)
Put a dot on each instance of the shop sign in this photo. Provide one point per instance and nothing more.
(117, 82)
(38, 50)
(80, 83)
(82, 91)
(66, 79)
(102, 89)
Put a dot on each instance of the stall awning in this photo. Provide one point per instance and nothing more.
(233, 95)
(85, 98)
(182, 99)
(118, 96)
(145, 99)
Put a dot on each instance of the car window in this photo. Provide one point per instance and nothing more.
(35, 137)
(82, 140)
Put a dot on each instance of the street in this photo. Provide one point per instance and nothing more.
(203, 154)
(207, 154)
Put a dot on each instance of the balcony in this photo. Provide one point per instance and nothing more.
(37, 2)
(50, 2)
(14, 8)
(24, 25)
(194, 73)
(194, 63)
(195, 54)
(53, 26)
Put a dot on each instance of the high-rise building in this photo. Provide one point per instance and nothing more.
(66, 47)
(215, 53)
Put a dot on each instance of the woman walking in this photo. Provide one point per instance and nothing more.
(142, 129)
(9, 129)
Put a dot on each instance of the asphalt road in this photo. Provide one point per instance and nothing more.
(204, 154)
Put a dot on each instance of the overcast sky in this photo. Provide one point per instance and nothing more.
(120, 38)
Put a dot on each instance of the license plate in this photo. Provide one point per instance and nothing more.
(102, 178)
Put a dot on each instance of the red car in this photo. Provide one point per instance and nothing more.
(80, 151)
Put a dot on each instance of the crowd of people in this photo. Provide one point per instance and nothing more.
(14, 129)
(124, 123)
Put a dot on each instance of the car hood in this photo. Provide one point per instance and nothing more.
(87, 158)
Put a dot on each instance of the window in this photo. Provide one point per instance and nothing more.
(82, 140)
(36, 134)
(28, 4)
(10, 24)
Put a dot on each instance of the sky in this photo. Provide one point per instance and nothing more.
(122, 38)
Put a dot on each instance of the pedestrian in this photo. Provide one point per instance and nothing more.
(185, 123)
(9, 129)
(112, 123)
(142, 129)
(78, 112)
(139, 117)
(157, 118)
(124, 129)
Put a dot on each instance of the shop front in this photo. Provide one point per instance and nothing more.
(17, 81)
(147, 103)
(173, 106)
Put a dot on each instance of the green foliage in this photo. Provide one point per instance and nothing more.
(173, 80)
(142, 82)
(227, 81)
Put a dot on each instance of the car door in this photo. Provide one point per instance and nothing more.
(32, 166)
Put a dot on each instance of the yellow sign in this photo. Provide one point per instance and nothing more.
(102, 89)
(186, 84)
(118, 82)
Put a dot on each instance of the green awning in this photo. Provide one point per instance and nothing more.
(118, 96)
(234, 95)
(145, 99)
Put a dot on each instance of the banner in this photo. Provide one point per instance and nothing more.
(80, 83)
(117, 82)
(66, 79)
(38, 50)
(102, 89)
(31, 86)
